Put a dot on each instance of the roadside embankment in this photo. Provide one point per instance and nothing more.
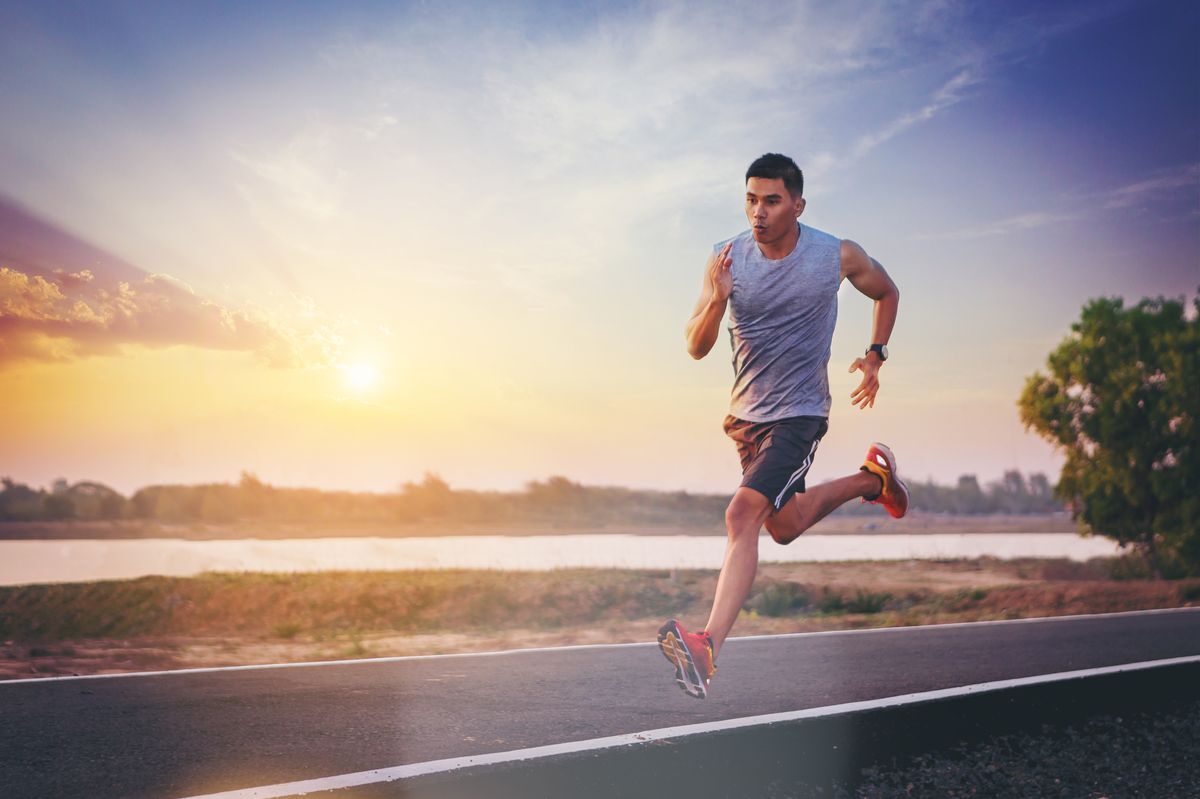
(245, 618)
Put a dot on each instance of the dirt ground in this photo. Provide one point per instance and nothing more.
(918, 592)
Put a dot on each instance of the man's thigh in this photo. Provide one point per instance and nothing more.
(776, 456)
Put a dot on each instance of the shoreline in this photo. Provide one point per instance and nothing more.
(916, 523)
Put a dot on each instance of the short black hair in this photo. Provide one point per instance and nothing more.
(774, 166)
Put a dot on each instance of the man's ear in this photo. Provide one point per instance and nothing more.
(799, 206)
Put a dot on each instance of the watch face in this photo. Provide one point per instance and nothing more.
(883, 353)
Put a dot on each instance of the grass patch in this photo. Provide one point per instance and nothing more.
(831, 601)
(332, 604)
(356, 649)
(1133, 566)
(779, 599)
(288, 630)
(867, 602)
(344, 612)
(963, 599)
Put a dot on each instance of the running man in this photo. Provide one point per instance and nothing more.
(779, 281)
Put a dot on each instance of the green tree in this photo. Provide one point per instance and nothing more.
(57, 507)
(1121, 400)
(968, 496)
(19, 502)
(432, 497)
(252, 495)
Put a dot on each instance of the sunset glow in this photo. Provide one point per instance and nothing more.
(360, 377)
(343, 245)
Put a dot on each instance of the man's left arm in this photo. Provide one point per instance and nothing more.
(869, 277)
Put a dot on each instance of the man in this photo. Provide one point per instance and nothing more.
(779, 281)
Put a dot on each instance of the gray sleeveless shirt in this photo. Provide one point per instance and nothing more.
(781, 319)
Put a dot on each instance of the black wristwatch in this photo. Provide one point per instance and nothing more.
(879, 348)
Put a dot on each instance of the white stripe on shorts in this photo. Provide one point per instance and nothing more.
(798, 474)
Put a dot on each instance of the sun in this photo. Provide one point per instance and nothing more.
(360, 376)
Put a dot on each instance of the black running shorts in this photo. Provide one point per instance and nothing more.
(776, 456)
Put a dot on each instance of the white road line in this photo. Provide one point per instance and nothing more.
(341, 781)
(990, 622)
(588, 647)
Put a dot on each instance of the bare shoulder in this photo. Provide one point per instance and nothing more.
(854, 259)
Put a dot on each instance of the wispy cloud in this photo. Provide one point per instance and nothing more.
(1167, 183)
(969, 51)
(948, 94)
(303, 171)
(1004, 227)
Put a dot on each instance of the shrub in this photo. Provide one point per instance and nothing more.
(289, 629)
(831, 602)
(1133, 566)
(780, 599)
(866, 602)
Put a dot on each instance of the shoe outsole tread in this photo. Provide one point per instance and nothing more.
(687, 676)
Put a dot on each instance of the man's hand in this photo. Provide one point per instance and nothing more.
(715, 287)
(864, 395)
(720, 279)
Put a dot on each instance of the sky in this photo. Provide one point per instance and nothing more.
(343, 245)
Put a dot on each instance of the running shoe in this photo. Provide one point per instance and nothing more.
(894, 496)
(692, 656)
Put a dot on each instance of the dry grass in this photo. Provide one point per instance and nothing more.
(233, 619)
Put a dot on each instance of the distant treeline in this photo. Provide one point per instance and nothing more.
(555, 501)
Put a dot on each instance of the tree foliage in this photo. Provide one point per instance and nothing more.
(1121, 400)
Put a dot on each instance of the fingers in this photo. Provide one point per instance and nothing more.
(720, 271)
(867, 400)
(863, 397)
(723, 258)
(721, 261)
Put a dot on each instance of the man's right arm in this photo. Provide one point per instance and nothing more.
(705, 325)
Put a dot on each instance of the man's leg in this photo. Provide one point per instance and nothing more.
(743, 521)
(802, 511)
(694, 655)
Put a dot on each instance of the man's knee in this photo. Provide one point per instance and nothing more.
(746, 513)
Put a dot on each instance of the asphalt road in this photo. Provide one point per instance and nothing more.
(174, 735)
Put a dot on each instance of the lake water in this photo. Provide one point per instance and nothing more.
(23, 562)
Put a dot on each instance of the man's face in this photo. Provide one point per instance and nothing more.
(771, 210)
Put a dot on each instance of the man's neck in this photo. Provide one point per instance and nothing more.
(778, 250)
